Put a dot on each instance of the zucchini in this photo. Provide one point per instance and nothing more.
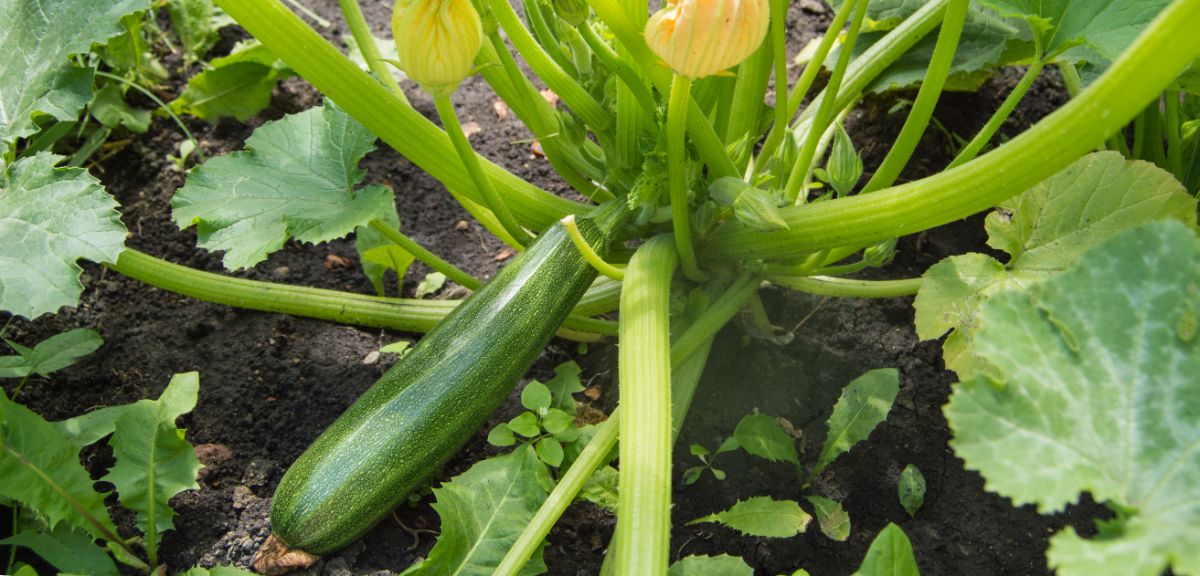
(421, 412)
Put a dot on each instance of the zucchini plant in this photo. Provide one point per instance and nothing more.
(692, 195)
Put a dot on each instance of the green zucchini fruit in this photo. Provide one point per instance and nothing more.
(421, 412)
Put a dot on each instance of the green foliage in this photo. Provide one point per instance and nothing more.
(217, 571)
(844, 166)
(1095, 384)
(832, 519)
(762, 516)
(563, 385)
(483, 511)
(1044, 230)
(197, 23)
(153, 460)
(760, 435)
(298, 178)
(69, 551)
(723, 565)
(40, 469)
(238, 85)
(912, 489)
(49, 355)
(1093, 32)
(50, 218)
(864, 404)
(890, 554)
(378, 254)
(37, 76)
(431, 284)
(707, 458)
(543, 426)
(110, 109)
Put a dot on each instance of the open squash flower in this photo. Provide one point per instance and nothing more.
(437, 41)
(699, 38)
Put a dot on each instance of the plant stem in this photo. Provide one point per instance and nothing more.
(927, 99)
(385, 115)
(546, 38)
(804, 161)
(746, 101)
(705, 326)
(470, 160)
(161, 106)
(401, 314)
(589, 253)
(1174, 138)
(611, 60)
(366, 44)
(846, 288)
(976, 145)
(1133, 80)
(429, 258)
(644, 507)
(677, 165)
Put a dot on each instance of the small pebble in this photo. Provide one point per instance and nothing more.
(371, 358)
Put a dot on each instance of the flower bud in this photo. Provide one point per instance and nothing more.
(699, 38)
(573, 11)
(437, 41)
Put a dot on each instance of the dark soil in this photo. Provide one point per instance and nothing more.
(271, 383)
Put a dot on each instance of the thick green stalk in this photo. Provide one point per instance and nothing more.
(746, 104)
(572, 94)
(400, 314)
(975, 146)
(784, 109)
(604, 296)
(644, 506)
(677, 183)
(385, 115)
(709, 146)
(1134, 79)
(632, 80)
(927, 99)
(719, 313)
(429, 258)
(589, 253)
(1173, 127)
(370, 50)
(546, 37)
(804, 160)
(847, 288)
(492, 199)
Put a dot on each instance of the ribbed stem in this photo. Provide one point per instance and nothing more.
(470, 160)
(644, 360)
(847, 288)
(366, 44)
(677, 182)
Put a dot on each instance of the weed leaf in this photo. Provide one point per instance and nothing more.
(297, 178)
(69, 551)
(483, 511)
(52, 354)
(1095, 390)
(761, 436)
(912, 489)
(50, 218)
(864, 404)
(723, 565)
(831, 518)
(762, 516)
(40, 468)
(890, 554)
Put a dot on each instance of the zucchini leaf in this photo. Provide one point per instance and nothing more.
(864, 404)
(69, 551)
(1094, 389)
(723, 565)
(36, 40)
(483, 511)
(378, 254)
(153, 460)
(238, 85)
(50, 355)
(1044, 230)
(298, 177)
(50, 218)
(762, 516)
(40, 468)
(890, 554)
(1092, 32)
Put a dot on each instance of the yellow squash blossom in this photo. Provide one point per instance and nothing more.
(437, 41)
(699, 38)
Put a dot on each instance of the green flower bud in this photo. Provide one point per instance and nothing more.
(699, 38)
(437, 41)
(573, 11)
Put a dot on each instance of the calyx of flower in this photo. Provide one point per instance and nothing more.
(699, 38)
(437, 41)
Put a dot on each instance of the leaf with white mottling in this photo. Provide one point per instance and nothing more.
(298, 178)
(1044, 230)
(1095, 389)
(50, 218)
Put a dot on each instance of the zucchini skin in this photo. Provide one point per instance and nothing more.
(421, 412)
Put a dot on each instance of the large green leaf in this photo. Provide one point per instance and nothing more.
(1094, 388)
(1044, 230)
(71, 552)
(40, 469)
(297, 178)
(762, 516)
(890, 554)
(36, 76)
(49, 218)
(1095, 31)
(238, 85)
(197, 23)
(723, 565)
(50, 355)
(484, 510)
(864, 404)
(153, 460)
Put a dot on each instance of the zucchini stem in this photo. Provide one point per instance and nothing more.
(588, 252)
(677, 182)
(429, 258)
(361, 32)
(848, 288)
